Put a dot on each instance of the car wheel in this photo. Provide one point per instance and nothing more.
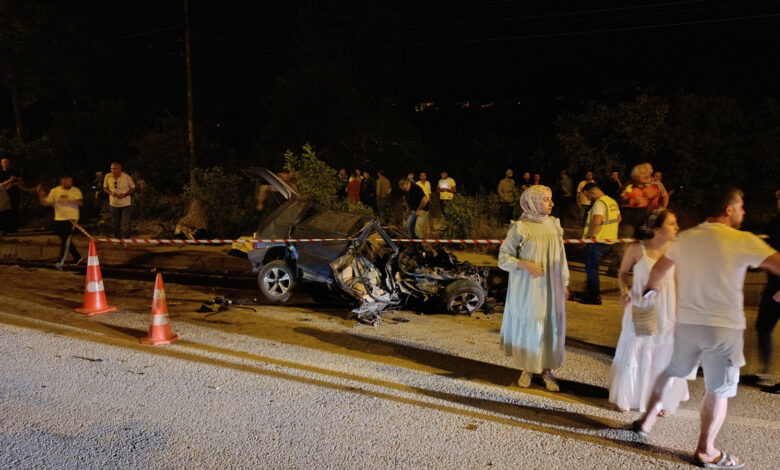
(276, 281)
(463, 297)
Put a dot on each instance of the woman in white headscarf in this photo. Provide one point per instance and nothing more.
(534, 323)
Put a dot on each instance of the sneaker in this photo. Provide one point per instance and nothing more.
(58, 266)
(78, 261)
(525, 379)
(550, 383)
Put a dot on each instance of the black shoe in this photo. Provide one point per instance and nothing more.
(772, 389)
(590, 300)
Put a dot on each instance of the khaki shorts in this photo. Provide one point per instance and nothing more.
(719, 350)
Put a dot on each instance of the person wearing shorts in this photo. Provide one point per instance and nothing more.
(711, 260)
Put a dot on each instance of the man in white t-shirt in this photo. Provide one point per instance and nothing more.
(711, 260)
(446, 189)
(66, 200)
(119, 186)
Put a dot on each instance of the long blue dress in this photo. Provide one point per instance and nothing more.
(533, 330)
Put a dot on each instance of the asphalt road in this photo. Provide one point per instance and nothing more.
(303, 386)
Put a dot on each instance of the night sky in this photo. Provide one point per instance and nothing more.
(535, 52)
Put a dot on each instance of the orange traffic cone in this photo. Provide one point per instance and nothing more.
(94, 295)
(159, 328)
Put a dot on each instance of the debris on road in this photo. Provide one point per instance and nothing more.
(90, 359)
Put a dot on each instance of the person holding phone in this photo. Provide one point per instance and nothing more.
(711, 260)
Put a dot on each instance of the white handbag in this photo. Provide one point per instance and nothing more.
(644, 314)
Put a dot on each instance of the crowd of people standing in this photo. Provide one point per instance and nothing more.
(360, 187)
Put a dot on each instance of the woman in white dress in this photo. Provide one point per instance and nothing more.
(640, 359)
(534, 323)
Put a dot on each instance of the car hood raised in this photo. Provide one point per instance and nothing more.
(264, 175)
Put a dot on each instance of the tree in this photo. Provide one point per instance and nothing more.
(40, 52)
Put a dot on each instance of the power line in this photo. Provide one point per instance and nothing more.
(525, 17)
(146, 31)
(561, 34)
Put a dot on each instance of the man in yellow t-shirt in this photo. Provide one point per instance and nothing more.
(446, 189)
(602, 223)
(66, 200)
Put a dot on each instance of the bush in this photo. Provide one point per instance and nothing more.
(317, 182)
(460, 216)
(227, 199)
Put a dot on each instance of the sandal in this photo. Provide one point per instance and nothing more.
(550, 383)
(637, 428)
(524, 380)
(725, 458)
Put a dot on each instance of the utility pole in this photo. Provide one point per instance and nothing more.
(190, 98)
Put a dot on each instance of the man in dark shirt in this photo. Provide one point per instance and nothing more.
(417, 202)
(368, 190)
(6, 172)
(613, 187)
(769, 308)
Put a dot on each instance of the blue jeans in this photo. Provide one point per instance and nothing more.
(594, 253)
(120, 216)
(410, 223)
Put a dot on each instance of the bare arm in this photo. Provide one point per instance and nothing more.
(660, 268)
(624, 274)
(423, 202)
(595, 225)
(42, 197)
(772, 264)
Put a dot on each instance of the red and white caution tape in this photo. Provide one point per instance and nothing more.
(220, 241)
(468, 241)
(215, 241)
(81, 229)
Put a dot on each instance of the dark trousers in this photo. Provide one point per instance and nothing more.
(768, 315)
(5, 221)
(120, 216)
(65, 230)
(507, 211)
(594, 253)
(15, 220)
(383, 208)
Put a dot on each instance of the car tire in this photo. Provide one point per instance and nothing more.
(276, 281)
(463, 297)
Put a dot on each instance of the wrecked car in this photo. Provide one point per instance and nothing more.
(363, 268)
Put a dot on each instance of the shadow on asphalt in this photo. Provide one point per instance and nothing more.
(455, 367)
